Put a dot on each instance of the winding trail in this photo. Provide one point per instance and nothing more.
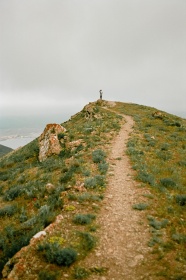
(123, 233)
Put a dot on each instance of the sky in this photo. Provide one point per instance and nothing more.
(55, 55)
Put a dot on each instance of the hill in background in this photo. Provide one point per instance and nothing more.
(4, 150)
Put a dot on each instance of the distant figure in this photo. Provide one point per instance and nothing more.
(101, 94)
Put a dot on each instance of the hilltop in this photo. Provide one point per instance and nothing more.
(106, 191)
(4, 150)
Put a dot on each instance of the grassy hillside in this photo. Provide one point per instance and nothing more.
(4, 150)
(157, 149)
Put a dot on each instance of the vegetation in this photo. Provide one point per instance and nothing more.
(28, 205)
(79, 179)
(55, 254)
(157, 149)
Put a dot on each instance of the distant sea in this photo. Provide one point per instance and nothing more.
(17, 131)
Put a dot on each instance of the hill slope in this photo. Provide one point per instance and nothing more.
(4, 150)
(71, 187)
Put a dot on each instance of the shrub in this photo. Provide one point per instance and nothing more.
(55, 201)
(146, 177)
(93, 182)
(90, 183)
(165, 147)
(83, 219)
(179, 238)
(8, 210)
(181, 199)
(89, 197)
(164, 155)
(103, 167)
(98, 156)
(54, 254)
(80, 273)
(61, 135)
(88, 241)
(47, 275)
(4, 176)
(157, 224)
(1, 190)
(12, 193)
(167, 182)
(69, 174)
(182, 162)
(140, 206)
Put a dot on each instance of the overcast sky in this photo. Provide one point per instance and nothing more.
(58, 54)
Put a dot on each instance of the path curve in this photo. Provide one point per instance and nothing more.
(123, 234)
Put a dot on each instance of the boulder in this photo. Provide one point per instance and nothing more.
(50, 188)
(75, 144)
(158, 115)
(49, 143)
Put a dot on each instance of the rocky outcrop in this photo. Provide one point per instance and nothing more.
(90, 112)
(158, 115)
(74, 144)
(49, 144)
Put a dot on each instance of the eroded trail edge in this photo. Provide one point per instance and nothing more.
(123, 234)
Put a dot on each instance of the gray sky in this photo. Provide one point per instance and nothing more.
(58, 54)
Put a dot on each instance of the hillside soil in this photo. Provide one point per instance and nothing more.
(124, 232)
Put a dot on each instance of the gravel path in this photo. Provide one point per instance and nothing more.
(123, 233)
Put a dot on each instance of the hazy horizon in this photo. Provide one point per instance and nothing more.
(59, 54)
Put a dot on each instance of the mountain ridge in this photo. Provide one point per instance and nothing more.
(73, 184)
(4, 150)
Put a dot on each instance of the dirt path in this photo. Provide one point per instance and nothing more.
(123, 233)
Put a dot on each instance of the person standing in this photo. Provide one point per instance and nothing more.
(101, 94)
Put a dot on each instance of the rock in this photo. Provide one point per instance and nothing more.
(74, 144)
(158, 115)
(80, 188)
(49, 143)
(39, 234)
(137, 259)
(50, 188)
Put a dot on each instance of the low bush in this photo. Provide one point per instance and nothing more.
(8, 210)
(61, 135)
(80, 273)
(1, 190)
(168, 182)
(179, 238)
(157, 224)
(88, 241)
(146, 177)
(103, 167)
(12, 193)
(140, 206)
(47, 275)
(96, 181)
(181, 199)
(98, 156)
(55, 254)
(83, 219)
(89, 197)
